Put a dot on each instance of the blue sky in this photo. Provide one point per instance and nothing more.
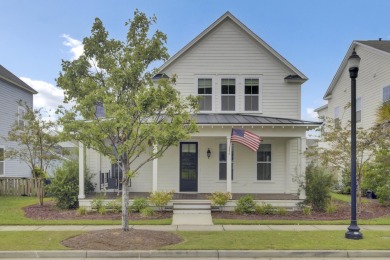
(313, 35)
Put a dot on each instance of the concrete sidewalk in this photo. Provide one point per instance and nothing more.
(195, 227)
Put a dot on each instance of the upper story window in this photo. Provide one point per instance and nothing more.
(358, 109)
(228, 94)
(205, 91)
(264, 163)
(251, 94)
(337, 117)
(1, 161)
(21, 114)
(386, 94)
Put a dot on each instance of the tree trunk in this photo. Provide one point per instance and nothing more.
(39, 185)
(125, 200)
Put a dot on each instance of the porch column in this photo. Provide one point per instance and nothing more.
(81, 171)
(228, 165)
(302, 162)
(155, 163)
(288, 167)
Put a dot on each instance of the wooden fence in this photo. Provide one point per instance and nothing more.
(18, 187)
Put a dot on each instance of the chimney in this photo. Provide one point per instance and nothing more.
(380, 39)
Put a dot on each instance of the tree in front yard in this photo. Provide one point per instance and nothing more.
(37, 146)
(117, 108)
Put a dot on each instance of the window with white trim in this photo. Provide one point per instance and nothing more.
(358, 109)
(386, 94)
(21, 113)
(264, 162)
(222, 161)
(251, 94)
(228, 94)
(2, 161)
(205, 91)
(336, 117)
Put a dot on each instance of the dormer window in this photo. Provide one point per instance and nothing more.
(228, 94)
(205, 92)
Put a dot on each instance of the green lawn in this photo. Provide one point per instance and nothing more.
(228, 240)
(281, 240)
(11, 213)
(34, 240)
(345, 198)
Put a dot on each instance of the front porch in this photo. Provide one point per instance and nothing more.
(281, 200)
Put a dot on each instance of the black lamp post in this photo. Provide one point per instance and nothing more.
(353, 229)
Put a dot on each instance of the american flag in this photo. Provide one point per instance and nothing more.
(246, 138)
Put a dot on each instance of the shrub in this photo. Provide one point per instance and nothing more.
(161, 198)
(265, 209)
(331, 207)
(282, 211)
(147, 212)
(245, 205)
(115, 205)
(220, 198)
(138, 204)
(98, 203)
(65, 185)
(81, 211)
(102, 210)
(306, 210)
(318, 186)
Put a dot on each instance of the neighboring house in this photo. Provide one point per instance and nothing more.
(372, 84)
(12, 90)
(244, 84)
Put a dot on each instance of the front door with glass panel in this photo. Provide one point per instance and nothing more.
(189, 167)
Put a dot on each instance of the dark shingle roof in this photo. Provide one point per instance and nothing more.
(241, 119)
(14, 80)
(380, 45)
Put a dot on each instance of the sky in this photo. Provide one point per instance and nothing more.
(313, 35)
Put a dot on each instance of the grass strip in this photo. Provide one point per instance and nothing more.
(281, 240)
(34, 240)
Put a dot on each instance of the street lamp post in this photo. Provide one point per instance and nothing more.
(353, 229)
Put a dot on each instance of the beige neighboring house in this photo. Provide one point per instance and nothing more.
(372, 89)
(12, 90)
(244, 84)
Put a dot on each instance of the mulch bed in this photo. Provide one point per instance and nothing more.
(49, 212)
(117, 240)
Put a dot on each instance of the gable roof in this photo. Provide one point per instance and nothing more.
(224, 17)
(7, 76)
(380, 47)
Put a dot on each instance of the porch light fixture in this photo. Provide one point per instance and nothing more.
(353, 65)
(208, 153)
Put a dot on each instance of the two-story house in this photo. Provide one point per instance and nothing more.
(243, 84)
(12, 90)
(372, 84)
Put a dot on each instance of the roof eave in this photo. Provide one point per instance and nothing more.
(31, 90)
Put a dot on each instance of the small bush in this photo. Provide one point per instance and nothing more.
(220, 198)
(265, 209)
(97, 203)
(281, 211)
(331, 207)
(306, 210)
(82, 211)
(147, 212)
(102, 210)
(245, 205)
(161, 198)
(139, 204)
(114, 205)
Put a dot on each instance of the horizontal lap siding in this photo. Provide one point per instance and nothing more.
(227, 50)
(9, 96)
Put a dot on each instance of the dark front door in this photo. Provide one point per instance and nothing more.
(188, 166)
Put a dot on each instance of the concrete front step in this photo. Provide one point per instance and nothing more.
(191, 211)
(197, 206)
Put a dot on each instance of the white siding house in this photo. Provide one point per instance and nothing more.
(12, 90)
(372, 84)
(244, 84)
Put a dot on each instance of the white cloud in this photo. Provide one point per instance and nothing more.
(49, 97)
(76, 46)
(310, 114)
